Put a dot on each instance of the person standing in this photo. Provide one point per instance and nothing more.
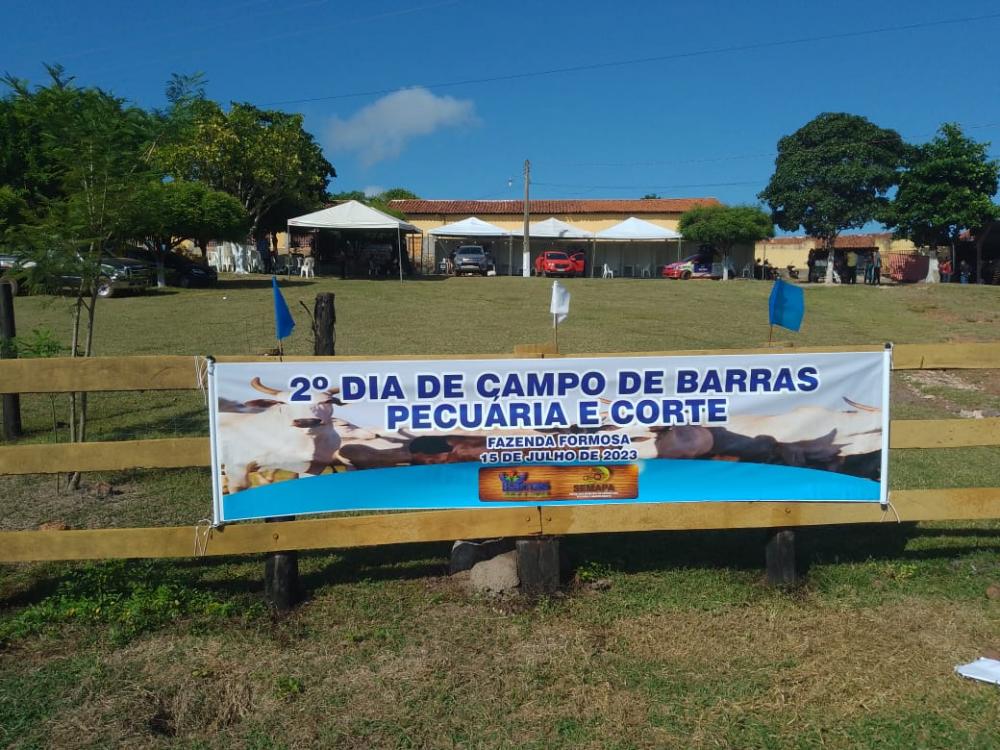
(852, 267)
(876, 262)
(964, 271)
(945, 270)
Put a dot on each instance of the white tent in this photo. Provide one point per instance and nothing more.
(637, 229)
(353, 215)
(471, 227)
(554, 229)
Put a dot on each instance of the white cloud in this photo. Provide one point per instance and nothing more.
(383, 128)
(371, 190)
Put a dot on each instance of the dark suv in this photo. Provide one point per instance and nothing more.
(116, 275)
(179, 270)
(472, 259)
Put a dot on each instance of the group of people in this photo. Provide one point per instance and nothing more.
(946, 271)
(871, 268)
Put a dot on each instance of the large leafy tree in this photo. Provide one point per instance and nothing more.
(262, 157)
(726, 226)
(834, 174)
(72, 158)
(165, 214)
(948, 188)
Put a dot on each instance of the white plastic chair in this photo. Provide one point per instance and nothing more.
(607, 273)
(306, 270)
(645, 272)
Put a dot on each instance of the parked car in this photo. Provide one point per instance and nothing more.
(579, 259)
(472, 259)
(697, 266)
(554, 263)
(178, 269)
(116, 275)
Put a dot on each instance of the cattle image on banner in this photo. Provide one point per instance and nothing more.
(320, 437)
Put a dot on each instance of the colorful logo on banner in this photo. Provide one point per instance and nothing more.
(320, 437)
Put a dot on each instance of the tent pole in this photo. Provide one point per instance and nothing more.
(593, 255)
(399, 252)
(510, 254)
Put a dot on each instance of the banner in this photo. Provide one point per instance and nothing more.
(321, 437)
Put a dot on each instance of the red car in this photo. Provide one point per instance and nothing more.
(554, 263)
(698, 266)
(579, 259)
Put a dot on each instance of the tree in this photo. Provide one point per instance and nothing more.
(162, 215)
(650, 196)
(398, 194)
(725, 226)
(948, 188)
(833, 174)
(378, 201)
(74, 156)
(262, 157)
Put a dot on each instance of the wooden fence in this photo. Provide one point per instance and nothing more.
(143, 373)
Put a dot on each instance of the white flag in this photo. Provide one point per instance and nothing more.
(560, 303)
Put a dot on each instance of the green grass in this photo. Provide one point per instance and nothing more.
(682, 645)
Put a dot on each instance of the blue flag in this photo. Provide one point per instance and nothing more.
(787, 305)
(283, 323)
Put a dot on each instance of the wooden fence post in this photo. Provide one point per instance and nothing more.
(281, 576)
(779, 554)
(325, 325)
(538, 565)
(282, 587)
(11, 401)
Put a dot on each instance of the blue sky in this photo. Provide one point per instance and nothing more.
(703, 123)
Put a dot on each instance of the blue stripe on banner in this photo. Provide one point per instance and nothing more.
(454, 486)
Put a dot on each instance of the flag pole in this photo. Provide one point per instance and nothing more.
(770, 334)
(555, 331)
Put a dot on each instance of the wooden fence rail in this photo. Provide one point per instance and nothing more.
(180, 372)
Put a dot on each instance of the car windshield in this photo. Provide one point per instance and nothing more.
(555, 255)
(470, 250)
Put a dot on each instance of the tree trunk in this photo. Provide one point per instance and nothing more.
(829, 260)
(979, 259)
(88, 350)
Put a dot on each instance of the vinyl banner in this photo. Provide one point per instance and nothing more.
(320, 437)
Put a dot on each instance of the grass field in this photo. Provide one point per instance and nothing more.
(662, 639)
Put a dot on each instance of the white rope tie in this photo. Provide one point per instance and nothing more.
(202, 533)
(885, 511)
(201, 375)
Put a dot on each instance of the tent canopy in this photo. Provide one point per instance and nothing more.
(554, 229)
(637, 229)
(351, 215)
(471, 227)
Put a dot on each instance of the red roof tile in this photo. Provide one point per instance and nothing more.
(549, 207)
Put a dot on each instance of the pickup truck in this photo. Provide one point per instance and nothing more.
(117, 275)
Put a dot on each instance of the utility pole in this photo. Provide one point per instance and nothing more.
(526, 246)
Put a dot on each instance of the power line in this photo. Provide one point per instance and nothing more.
(649, 59)
(736, 157)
